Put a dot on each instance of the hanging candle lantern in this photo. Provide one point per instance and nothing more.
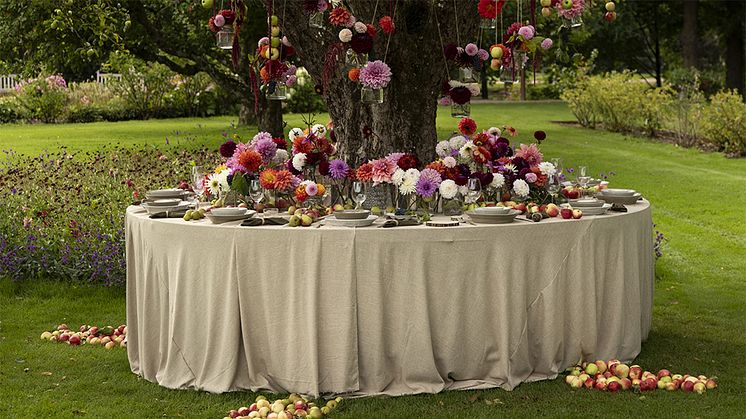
(371, 95)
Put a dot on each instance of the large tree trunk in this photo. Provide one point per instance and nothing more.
(406, 120)
(734, 48)
(689, 34)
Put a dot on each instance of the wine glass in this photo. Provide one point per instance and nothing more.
(557, 162)
(256, 192)
(583, 179)
(358, 193)
(553, 186)
(198, 183)
(475, 190)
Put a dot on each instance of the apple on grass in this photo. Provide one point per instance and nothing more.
(626, 383)
(699, 387)
(663, 373)
(591, 369)
(614, 386)
(243, 411)
(602, 367)
(635, 371)
(576, 383)
(621, 371)
(711, 384)
(601, 385)
(589, 383)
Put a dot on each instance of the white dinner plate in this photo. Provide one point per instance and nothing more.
(493, 218)
(219, 219)
(351, 214)
(595, 210)
(365, 222)
(619, 192)
(491, 210)
(229, 212)
(586, 203)
(624, 200)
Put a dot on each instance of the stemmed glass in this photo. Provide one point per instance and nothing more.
(256, 192)
(475, 190)
(198, 184)
(553, 186)
(557, 162)
(358, 193)
(583, 179)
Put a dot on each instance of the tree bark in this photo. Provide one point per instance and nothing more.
(689, 34)
(406, 120)
(734, 49)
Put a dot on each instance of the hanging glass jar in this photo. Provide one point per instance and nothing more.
(316, 20)
(276, 90)
(573, 22)
(225, 37)
(467, 75)
(460, 110)
(369, 95)
(354, 59)
(488, 23)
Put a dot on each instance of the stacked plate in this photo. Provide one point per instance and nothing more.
(354, 222)
(619, 196)
(157, 194)
(494, 218)
(599, 210)
(165, 205)
(352, 214)
(223, 215)
(491, 210)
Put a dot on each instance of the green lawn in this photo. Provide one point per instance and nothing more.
(699, 323)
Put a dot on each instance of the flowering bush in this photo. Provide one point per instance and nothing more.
(43, 99)
(63, 214)
(724, 123)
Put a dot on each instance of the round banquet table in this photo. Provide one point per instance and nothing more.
(366, 311)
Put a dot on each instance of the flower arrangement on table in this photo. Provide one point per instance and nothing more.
(504, 171)
(311, 153)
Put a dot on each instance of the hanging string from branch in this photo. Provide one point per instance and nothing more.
(442, 46)
(388, 40)
(455, 19)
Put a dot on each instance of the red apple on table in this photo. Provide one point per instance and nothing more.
(521, 207)
(566, 213)
(552, 210)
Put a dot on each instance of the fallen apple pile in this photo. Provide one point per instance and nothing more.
(294, 406)
(108, 337)
(615, 376)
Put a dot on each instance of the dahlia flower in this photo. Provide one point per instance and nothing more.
(530, 153)
(547, 43)
(338, 169)
(498, 180)
(448, 189)
(575, 11)
(520, 188)
(547, 168)
(345, 35)
(375, 75)
(382, 170)
(299, 160)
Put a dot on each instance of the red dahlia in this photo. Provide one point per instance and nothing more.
(339, 16)
(387, 25)
(489, 9)
(467, 126)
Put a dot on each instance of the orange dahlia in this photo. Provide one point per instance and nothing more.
(283, 180)
(250, 160)
(268, 179)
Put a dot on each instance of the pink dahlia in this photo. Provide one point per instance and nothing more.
(575, 11)
(375, 75)
(382, 170)
(530, 153)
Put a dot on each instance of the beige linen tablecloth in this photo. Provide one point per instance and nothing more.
(383, 311)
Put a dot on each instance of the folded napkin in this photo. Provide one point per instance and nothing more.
(260, 221)
(177, 213)
(392, 222)
(618, 208)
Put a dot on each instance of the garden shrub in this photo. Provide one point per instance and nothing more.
(83, 113)
(724, 122)
(9, 111)
(43, 99)
(143, 86)
(620, 101)
(51, 227)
